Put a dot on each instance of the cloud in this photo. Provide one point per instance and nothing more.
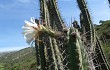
(4, 49)
(18, 3)
(66, 0)
(24, 1)
(105, 2)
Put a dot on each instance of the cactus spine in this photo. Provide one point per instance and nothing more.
(86, 24)
(52, 55)
(64, 51)
(87, 21)
(48, 55)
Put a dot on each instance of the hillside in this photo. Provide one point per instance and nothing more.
(18, 60)
(103, 31)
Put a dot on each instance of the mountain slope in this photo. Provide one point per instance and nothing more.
(19, 60)
(104, 29)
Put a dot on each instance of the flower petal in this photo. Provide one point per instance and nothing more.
(32, 20)
(29, 30)
(29, 36)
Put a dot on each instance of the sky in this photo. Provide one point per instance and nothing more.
(13, 13)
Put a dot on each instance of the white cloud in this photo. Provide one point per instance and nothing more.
(4, 49)
(19, 3)
(105, 2)
(24, 1)
(66, 0)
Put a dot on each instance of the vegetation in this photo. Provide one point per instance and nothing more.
(1, 67)
(103, 31)
(19, 60)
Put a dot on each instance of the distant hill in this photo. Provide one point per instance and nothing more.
(2, 53)
(18, 60)
(103, 29)
(5, 53)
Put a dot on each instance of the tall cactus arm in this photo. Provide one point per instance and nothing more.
(78, 56)
(87, 22)
(109, 1)
(50, 32)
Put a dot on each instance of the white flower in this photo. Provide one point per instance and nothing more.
(29, 30)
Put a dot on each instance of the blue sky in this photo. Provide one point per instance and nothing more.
(14, 12)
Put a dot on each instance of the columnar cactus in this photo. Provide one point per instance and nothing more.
(87, 22)
(97, 57)
(78, 56)
(87, 28)
(101, 59)
(54, 54)
(50, 50)
(58, 48)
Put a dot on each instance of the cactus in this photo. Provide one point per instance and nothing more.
(87, 22)
(55, 16)
(75, 58)
(109, 1)
(48, 52)
(52, 55)
(98, 57)
(87, 28)
(101, 59)
(74, 49)
(62, 49)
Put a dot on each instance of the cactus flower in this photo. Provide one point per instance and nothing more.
(30, 30)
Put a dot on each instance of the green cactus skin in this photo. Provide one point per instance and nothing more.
(87, 22)
(77, 53)
(74, 55)
(46, 51)
(50, 55)
(87, 25)
(37, 56)
(88, 30)
(55, 16)
(57, 25)
(53, 54)
(77, 57)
